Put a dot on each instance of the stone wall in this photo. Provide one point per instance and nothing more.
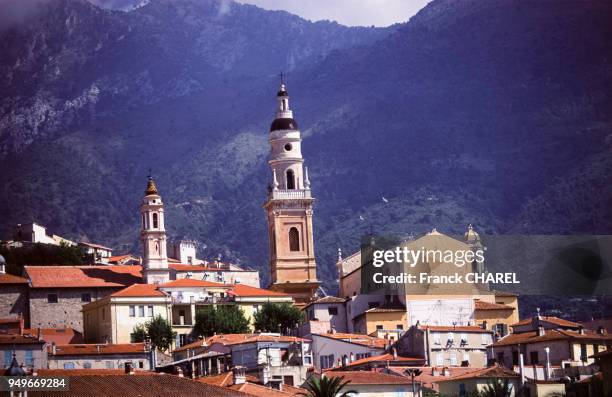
(13, 301)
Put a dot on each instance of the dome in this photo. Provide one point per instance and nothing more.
(283, 124)
(282, 91)
(151, 188)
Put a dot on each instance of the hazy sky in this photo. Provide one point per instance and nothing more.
(347, 12)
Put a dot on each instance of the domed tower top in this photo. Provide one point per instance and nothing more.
(284, 116)
(151, 187)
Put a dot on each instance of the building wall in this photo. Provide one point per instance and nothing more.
(66, 313)
(322, 345)
(383, 390)
(39, 354)
(14, 300)
(250, 278)
(114, 361)
(320, 312)
(387, 320)
(493, 317)
(452, 388)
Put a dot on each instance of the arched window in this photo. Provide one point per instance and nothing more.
(155, 221)
(294, 239)
(284, 104)
(144, 225)
(290, 180)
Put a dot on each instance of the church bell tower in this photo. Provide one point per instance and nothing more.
(289, 209)
(153, 236)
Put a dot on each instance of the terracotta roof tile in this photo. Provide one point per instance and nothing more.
(89, 372)
(490, 372)
(222, 380)
(13, 339)
(59, 336)
(370, 378)
(234, 339)
(138, 290)
(97, 349)
(131, 386)
(553, 320)
(387, 357)
(256, 390)
(83, 276)
(364, 340)
(549, 335)
(246, 290)
(10, 279)
(458, 328)
(481, 305)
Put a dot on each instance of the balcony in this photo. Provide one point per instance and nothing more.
(284, 194)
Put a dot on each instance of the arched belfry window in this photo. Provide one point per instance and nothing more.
(294, 239)
(155, 221)
(284, 104)
(290, 180)
(144, 224)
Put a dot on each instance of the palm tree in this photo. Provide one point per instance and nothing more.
(326, 387)
(497, 388)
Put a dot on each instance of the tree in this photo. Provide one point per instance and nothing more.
(226, 319)
(41, 255)
(277, 317)
(326, 387)
(497, 388)
(158, 330)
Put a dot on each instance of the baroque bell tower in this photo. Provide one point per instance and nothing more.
(153, 236)
(289, 209)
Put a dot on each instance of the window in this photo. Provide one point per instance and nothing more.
(464, 338)
(462, 391)
(439, 359)
(484, 338)
(327, 361)
(515, 357)
(288, 147)
(290, 180)
(453, 359)
(29, 358)
(140, 364)
(399, 326)
(332, 311)
(85, 297)
(294, 239)
(360, 356)
(534, 358)
(436, 338)
(583, 352)
(51, 298)
(87, 365)
(141, 312)
(69, 365)
(150, 311)
(8, 358)
(183, 339)
(379, 327)
(144, 225)
(110, 364)
(466, 357)
(132, 311)
(155, 220)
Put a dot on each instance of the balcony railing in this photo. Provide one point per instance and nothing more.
(283, 194)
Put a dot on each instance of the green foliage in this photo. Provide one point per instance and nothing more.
(40, 254)
(277, 317)
(497, 388)
(225, 319)
(326, 387)
(158, 330)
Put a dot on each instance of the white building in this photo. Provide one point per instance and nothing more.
(328, 350)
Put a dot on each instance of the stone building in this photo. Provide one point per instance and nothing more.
(13, 294)
(29, 350)
(99, 356)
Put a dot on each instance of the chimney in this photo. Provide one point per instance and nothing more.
(601, 330)
(434, 371)
(581, 330)
(239, 375)
(547, 369)
(129, 368)
(522, 368)
(541, 331)
(445, 371)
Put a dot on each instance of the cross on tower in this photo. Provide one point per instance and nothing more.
(282, 77)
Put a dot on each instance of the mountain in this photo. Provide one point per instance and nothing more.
(495, 113)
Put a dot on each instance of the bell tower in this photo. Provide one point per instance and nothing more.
(289, 209)
(153, 236)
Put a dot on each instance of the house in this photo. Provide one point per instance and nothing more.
(447, 345)
(478, 381)
(35, 233)
(386, 360)
(329, 309)
(28, 350)
(57, 293)
(331, 349)
(497, 315)
(114, 317)
(13, 294)
(95, 253)
(238, 380)
(215, 271)
(553, 342)
(377, 384)
(392, 321)
(99, 356)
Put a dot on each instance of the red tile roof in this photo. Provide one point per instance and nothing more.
(119, 258)
(234, 339)
(369, 378)
(132, 386)
(246, 290)
(89, 372)
(490, 372)
(139, 290)
(190, 282)
(427, 377)
(256, 390)
(14, 339)
(550, 335)
(59, 336)
(481, 305)
(83, 276)
(10, 279)
(97, 349)
(553, 320)
(193, 345)
(358, 339)
(250, 387)
(387, 357)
